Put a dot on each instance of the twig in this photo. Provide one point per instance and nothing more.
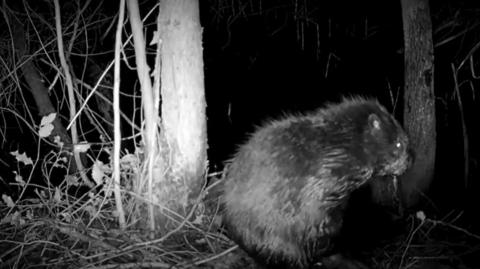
(217, 255)
(435, 222)
(71, 95)
(100, 79)
(409, 241)
(116, 118)
(464, 126)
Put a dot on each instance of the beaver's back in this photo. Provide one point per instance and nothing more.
(285, 189)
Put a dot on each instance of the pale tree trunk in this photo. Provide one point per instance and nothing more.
(419, 109)
(183, 104)
(150, 116)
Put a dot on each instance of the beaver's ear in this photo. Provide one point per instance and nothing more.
(374, 124)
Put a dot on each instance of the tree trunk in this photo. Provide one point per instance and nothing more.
(40, 93)
(183, 102)
(419, 109)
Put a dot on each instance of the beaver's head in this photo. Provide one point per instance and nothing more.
(387, 144)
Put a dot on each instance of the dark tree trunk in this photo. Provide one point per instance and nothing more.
(40, 92)
(419, 109)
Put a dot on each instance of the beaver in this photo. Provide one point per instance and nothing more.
(286, 188)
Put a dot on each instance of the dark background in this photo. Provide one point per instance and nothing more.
(259, 68)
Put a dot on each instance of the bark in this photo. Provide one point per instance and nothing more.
(419, 109)
(183, 102)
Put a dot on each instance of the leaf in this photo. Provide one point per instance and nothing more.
(66, 216)
(58, 195)
(17, 219)
(107, 150)
(91, 210)
(43, 194)
(421, 216)
(29, 214)
(98, 172)
(45, 130)
(129, 161)
(72, 180)
(8, 200)
(19, 179)
(46, 126)
(22, 158)
(60, 162)
(6, 219)
(82, 147)
(48, 119)
(198, 220)
(58, 141)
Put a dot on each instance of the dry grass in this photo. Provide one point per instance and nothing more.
(58, 230)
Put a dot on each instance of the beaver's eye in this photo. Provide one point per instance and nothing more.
(398, 145)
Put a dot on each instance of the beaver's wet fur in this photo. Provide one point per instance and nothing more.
(285, 190)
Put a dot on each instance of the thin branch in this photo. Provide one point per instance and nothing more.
(116, 117)
(100, 79)
(143, 72)
(71, 94)
(466, 159)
